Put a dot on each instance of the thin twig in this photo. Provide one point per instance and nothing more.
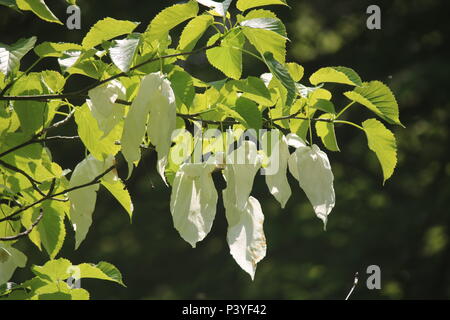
(355, 282)
(26, 232)
(34, 183)
(51, 196)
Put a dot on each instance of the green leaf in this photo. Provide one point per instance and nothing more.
(51, 229)
(122, 52)
(107, 29)
(282, 74)
(39, 8)
(254, 89)
(243, 5)
(54, 270)
(10, 260)
(183, 87)
(228, 56)
(376, 96)
(54, 49)
(336, 75)
(295, 70)
(9, 3)
(250, 112)
(33, 115)
(169, 18)
(10, 55)
(325, 106)
(382, 142)
(93, 138)
(102, 271)
(119, 191)
(325, 130)
(267, 41)
(193, 31)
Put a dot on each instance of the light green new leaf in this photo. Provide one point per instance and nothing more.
(10, 55)
(102, 270)
(107, 29)
(295, 70)
(39, 8)
(378, 98)
(54, 49)
(54, 270)
(382, 142)
(183, 87)
(248, 4)
(193, 31)
(325, 130)
(94, 139)
(119, 191)
(266, 41)
(250, 113)
(169, 18)
(325, 106)
(254, 89)
(10, 260)
(82, 201)
(228, 56)
(311, 167)
(193, 201)
(51, 229)
(280, 72)
(122, 52)
(336, 75)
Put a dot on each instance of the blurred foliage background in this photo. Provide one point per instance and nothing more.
(403, 227)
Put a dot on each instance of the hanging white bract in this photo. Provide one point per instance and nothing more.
(157, 100)
(244, 214)
(311, 167)
(102, 104)
(82, 201)
(275, 145)
(193, 201)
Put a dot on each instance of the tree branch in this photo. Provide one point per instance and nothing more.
(34, 183)
(50, 196)
(26, 232)
(82, 93)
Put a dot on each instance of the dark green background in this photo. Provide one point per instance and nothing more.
(403, 227)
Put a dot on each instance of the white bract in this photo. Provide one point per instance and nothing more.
(245, 233)
(244, 215)
(102, 104)
(193, 201)
(10, 260)
(276, 169)
(220, 7)
(242, 165)
(82, 201)
(156, 100)
(311, 167)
